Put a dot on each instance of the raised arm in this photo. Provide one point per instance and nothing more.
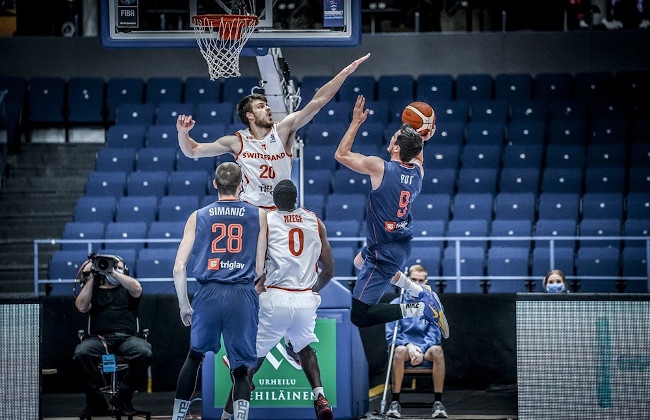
(325, 258)
(180, 270)
(369, 165)
(295, 120)
(192, 149)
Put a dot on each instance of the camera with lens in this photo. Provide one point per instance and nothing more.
(102, 264)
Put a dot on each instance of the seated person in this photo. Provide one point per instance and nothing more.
(417, 343)
(111, 297)
(555, 282)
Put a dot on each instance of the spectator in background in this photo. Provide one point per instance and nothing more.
(417, 343)
(555, 282)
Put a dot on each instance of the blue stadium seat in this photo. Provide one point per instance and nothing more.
(640, 130)
(112, 184)
(137, 209)
(127, 230)
(122, 90)
(639, 179)
(600, 228)
(16, 87)
(439, 181)
(320, 156)
(514, 206)
(317, 181)
(347, 181)
(215, 113)
(517, 86)
(442, 156)
(557, 228)
(633, 83)
(188, 183)
(46, 99)
(152, 183)
(395, 87)
(156, 159)
(494, 110)
(565, 156)
(163, 89)
(450, 133)
(370, 133)
(128, 136)
(472, 263)
(202, 89)
(341, 229)
(432, 88)
(235, 88)
(485, 133)
(344, 260)
(378, 112)
(159, 267)
(567, 131)
(168, 112)
(559, 206)
(635, 262)
(511, 228)
(608, 109)
(526, 133)
(602, 206)
(519, 180)
(637, 227)
(86, 100)
(508, 261)
(310, 84)
(334, 112)
(63, 270)
(593, 84)
(177, 208)
(132, 113)
(550, 86)
(206, 164)
(115, 160)
(346, 207)
(428, 228)
(606, 155)
(562, 180)
(469, 228)
(605, 180)
(597, 261)
(541, 261)
(472, 206)
(431, 206)
(82, 231)
(315, 203)
(452, 111)
(161, 135)
(324, 133)
(426, 254)
(94, 209)
(640, 154)
(165, 230)
(529, 110)
(483, 180)
(608, 131)
(472, 87)
(73, 256)
(353, 86)
(568, 109)
(207, 133)
(519, 156)
(481, 156)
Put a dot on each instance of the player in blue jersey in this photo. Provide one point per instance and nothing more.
(225, 242)
(395, 184)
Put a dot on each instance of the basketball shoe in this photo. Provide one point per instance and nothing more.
(323, 408)
(433, 310)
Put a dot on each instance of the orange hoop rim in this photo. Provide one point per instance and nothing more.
(215, 21)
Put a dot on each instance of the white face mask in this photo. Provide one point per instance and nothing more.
(555, 288)
(113, 280)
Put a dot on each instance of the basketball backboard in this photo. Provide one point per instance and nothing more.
(283, 23)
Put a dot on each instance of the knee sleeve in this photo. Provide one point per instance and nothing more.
(364, 315)
(358, 312)
(188, 375)
(241, 389)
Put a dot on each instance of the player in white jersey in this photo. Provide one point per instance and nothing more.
(262, 169)
(297, 241)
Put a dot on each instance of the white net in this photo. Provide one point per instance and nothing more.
(221, 39)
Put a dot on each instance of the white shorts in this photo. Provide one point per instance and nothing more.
(290, 314)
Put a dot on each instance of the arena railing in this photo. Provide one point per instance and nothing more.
(457, 241)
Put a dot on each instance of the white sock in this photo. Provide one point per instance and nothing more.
(240, 409)
(410, 310)
(226, 416)
(407, 284)
(180, 409)
(318, 390)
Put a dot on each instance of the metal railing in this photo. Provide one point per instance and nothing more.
(456, 241)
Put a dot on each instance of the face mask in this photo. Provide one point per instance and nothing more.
(555, 288)
(113, 280)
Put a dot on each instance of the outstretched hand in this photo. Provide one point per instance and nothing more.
(353, 66)
(184, 124)
(359, 115)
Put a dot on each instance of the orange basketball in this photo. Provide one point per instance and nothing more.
(420, 116)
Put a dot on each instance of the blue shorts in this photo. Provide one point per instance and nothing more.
(379, 266)
(231, 310)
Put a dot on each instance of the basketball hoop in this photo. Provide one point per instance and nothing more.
(221, 39)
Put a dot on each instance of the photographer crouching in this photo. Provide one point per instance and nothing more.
(111, 297)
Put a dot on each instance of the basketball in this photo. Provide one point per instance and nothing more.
(420, 116)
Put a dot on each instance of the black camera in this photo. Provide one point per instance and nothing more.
(102, 264)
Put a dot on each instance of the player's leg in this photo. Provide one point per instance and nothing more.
(186, 384)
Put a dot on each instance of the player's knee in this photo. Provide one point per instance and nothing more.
(436, 352)
(195, 356)
(358, 313)
(240, 372)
